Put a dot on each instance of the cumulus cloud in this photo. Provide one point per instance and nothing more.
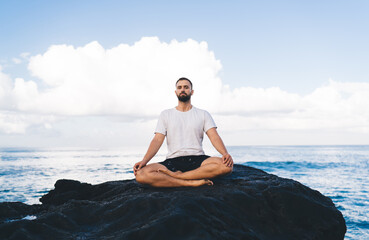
(137, 82)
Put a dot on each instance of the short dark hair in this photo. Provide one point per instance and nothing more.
(183, 78)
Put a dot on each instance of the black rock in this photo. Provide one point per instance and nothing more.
(248, 204)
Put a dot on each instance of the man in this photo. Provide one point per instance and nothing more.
(186, 164)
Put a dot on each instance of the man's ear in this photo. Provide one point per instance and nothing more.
(192, 92)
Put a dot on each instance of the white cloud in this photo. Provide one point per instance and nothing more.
(17, 123)
(22, 57)
(256, 101)
(340, 106)
(6, 87)
(25, 55)
(137, 82)
(16, 60)
(12, 123)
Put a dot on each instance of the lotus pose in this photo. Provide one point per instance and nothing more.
(186, 163)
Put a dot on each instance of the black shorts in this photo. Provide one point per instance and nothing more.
(185, 163)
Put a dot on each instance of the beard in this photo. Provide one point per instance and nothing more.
(184, 97)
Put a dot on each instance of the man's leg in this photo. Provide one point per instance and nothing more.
(153, 174)
(210, 168)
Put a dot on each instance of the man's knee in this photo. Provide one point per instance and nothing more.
(222, 168)
(226, 169)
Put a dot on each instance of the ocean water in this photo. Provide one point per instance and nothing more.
(339, 172)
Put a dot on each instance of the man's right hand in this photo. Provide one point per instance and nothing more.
(138, 166)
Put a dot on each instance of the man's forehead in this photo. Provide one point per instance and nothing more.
(183, 83)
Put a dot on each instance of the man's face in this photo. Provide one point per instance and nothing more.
(184, 91)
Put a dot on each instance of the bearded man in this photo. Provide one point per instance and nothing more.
(186, 163)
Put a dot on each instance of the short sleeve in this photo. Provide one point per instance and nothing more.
(161, 126)
(209, 122)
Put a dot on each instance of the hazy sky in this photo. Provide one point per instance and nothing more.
(98, 73)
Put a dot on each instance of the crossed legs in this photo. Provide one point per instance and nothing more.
(154, 175)
(157, 175)
(210, 168)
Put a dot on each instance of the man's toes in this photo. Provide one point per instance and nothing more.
(208, 182)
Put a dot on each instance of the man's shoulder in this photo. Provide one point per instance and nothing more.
(166, 112)
(201, 110)
(198, 109)
(169, 110)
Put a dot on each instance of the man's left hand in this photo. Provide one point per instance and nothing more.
(227, 160)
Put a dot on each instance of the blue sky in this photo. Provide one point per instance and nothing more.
(296, 46)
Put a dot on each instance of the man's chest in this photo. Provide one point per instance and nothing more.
(185, 123)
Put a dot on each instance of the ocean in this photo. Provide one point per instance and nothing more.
(339, 172)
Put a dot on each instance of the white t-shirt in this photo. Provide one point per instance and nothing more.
(184, 130)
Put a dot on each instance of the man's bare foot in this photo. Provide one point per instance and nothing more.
(208, 182)
(198, 183)
(191, 182)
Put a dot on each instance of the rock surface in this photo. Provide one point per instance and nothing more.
(248, 204)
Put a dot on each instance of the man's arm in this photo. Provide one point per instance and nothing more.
(154, 147)
(219, 146)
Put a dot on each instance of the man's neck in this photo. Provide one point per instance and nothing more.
(184, 106)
